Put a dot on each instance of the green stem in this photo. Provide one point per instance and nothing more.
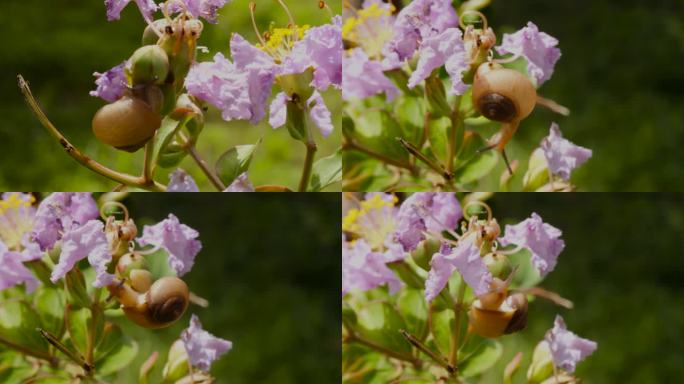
(213, 178)
(355, 338)
(62, 348)
(147, 162)
(308, 165)
(37, 354)
(456, 333)
(410, 148)
(350, 145)
(423, 348)
(77, 155)
(456, 137)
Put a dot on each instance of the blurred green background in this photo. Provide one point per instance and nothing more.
(622, 78)
(57, 46)
(270, 268)
(622, 268)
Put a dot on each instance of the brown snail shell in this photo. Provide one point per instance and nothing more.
(126, 124)
(502, 94)
(490, 323)
(164, 303)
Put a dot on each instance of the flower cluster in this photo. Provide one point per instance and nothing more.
(431, 238)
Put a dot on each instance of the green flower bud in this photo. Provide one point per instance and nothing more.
(180, 44)
(537, 174)
(498, 265)
(541, 367)
(149, 36)
(177, 363)
(423, 253)
(297, 85)
(149, 65)
(129, 262)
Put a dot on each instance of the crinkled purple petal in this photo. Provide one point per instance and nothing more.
(364, 77)
(434, 212)
(260, 70)
(278, 110)
(112, 84)
(567, 349)
(320, 114)
(207, 9)
(114, 8)
(417, 22)
(562, 155)
(538, 48)
(58, 213)
(181, 181)
(87, 240)
(435, 51)
(177, 239)
(465, 258)
(202, 347)
(364, 269)
(240, 184)
(13, 271)
(541, 239)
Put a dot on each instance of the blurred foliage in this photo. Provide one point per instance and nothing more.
(620, 78)
(57, 46)
(622, 268)
(267, 279)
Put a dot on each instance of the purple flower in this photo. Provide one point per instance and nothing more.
(180, 181)
(88, 240)
(241, 184)
(321, 48)
(318, 112)
(208, 9)
(541, 239)
(567, 349)
(418, 21)
(59, 213)
(13, 271)
(426, 211)
(112, 84)
(364, 77)
(465, 258)
(562, 155)
(202, 347)
(114, 8)
(177, 239)
(446, 49)
(364, 269)
(16, 218)
(240, 89)
(538, 48)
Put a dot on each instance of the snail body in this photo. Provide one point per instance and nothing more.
(160, 306)
(509, 317)
(126, 124)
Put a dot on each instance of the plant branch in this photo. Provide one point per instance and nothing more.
(438, 359)
(62, 348)
(456, 333)
(410, 148)
(350, 145)
(205, 168)
(37, 354)
(147, 162)
(355, 338)
(76, 154)
(308, 165)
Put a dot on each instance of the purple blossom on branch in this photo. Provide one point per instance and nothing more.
(426, 211)
(364, 269)
(541, 239)
(567, 349)
(364, 77)
(87, 240)
(181, 181)
(112, 84)
(464, 258)
(178, 240)
(202, 347)
(561, 155)
(13, 271)
(59, 213)
(445, 49)
(538, 48)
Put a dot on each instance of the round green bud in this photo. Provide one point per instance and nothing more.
(150, 37)
(149, 65)
(177, 363)
(424, 252)
(129, 262)
(498, 265)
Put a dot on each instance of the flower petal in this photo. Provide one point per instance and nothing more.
(112, 84)
(538, 48)
(541, 239)
(320, 114)
(240, 184)
(567, 349)
(177, 239)
(278, 111)
(202, 347)
(180, 181)
(88, 240)
(562, 155)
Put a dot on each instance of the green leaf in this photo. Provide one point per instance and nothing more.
(326, 171)
(410, 112)
(234, 162)
(165, 134)
(119, 358)
(412, 306)
(111, 335)
(76, 287)
(442, 325)
(50, 304)
(438, 136)
(483, 358)
(18, 324)
(477, 167)
(380, 322)
(77, 325)
(378, 130)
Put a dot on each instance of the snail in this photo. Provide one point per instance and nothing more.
(160, 306)
(496, 313)
(126, 124)
(503, 95)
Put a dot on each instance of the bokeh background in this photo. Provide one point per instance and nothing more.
(270, 268)
(57, 45)
(620, 76)
(622, 268)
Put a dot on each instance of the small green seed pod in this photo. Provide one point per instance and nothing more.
(149, 65)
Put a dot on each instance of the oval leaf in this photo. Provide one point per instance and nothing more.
(235, 162)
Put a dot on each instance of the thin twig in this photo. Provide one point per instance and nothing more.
(438, 359)
(416, 152)
(311, 149)
(76, 154)
(205, 168)
(350, 145)
(77, 358)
